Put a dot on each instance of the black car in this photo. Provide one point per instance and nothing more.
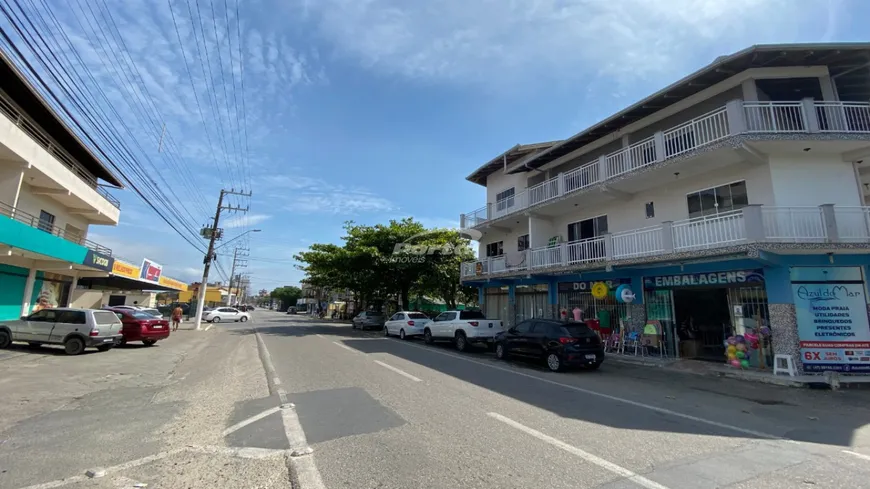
(560, 344)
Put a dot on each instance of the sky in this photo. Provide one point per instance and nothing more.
(371, 110)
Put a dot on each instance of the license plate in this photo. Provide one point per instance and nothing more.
(108, 340)
(590, 357)
(157, 326)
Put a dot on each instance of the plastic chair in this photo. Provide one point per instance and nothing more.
(783, 363)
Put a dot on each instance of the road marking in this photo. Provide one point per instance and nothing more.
(347, 347)
(594, 459)
(856, 454)
(117, 468)
(657, 409)
(252, 419)
(209, 326)
(398, 371)
(300, 461)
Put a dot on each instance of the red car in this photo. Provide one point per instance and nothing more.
(141, 326)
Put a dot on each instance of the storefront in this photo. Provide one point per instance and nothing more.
(532, 301)
(495, 303)
(606, 310)
(49, 290)
(714, 316)
(831, 312)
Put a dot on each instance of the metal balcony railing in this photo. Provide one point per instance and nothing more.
(738, 117)
(8, 108)
(49, 227)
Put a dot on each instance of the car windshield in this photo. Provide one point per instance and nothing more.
(417, 315)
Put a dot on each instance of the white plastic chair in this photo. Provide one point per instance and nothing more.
(783, 363)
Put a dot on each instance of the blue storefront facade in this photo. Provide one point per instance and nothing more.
(812, 307)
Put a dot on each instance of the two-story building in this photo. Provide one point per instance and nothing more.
(731, 205)
(52, 190)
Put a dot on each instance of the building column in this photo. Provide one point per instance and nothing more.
(512, 306)
(481, 297)
(783, 319)
(28, 292)
(72, 288)
(636, 310)
(552, 311)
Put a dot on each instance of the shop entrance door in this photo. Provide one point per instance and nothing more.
(703, 320)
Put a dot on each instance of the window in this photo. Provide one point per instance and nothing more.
(523, 327)
(495, 249)
(72, 317)
(449, 316)
(711, 201)
(523, 243)
(504, 199)
(471, 315)
(105, 317)
(46, 221)
(650, 210)
(42, 316)
(397, 317)
(589, 228)
(544, 329)
(417, 315)
(441, 317)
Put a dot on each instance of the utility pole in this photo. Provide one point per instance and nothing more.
(213, 234)
(237, 253)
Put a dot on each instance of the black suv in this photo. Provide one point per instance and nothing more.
(560, 344)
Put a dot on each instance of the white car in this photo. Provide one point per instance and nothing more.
(406, 324)
(225, 314)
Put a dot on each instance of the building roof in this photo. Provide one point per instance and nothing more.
(19, 89)
(505, 159)
(849, 62)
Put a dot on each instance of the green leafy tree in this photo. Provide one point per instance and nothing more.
(287, 295)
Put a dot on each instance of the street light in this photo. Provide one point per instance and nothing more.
(237, 237)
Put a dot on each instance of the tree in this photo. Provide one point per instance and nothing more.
(287, 295)
(446, 250)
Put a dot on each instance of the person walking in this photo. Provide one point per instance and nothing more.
(176, 317)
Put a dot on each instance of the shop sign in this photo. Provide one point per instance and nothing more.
(172, 283)
(704, 279)
(126, 270)
(624, 294)
(98, 261)
(150, 271)
(587, 286)
(833, 328)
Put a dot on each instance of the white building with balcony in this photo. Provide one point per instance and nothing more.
(731, 203)
(52, 190)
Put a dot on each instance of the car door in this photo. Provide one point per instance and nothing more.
(28, 329)
(518, 336)
(436, 324)
(537, 339)
(68, 322)
(390, 324)
(450, 324)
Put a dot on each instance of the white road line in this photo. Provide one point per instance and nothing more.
(116, 468)
(398, 371)
(856, 454)
(594, 459)
(252, 419)
(657, 409)
(347, 347)
(209, 326)
(300, 460)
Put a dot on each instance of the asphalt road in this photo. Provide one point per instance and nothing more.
(385, 413)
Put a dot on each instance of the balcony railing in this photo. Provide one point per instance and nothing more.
(49, 227)
(752, 224)
(36, 133)
(737, 117)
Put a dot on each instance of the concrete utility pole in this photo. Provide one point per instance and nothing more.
(213, 235)
(237, 254)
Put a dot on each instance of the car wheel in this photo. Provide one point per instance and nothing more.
(149, 342)
(461, 341)
(243, 319)
(401, 334)
(104, 347)
(594, 366)
(427, 336)
(5, 339)
(554, 363)
(216, 319)
(74, 346)
(500, 352)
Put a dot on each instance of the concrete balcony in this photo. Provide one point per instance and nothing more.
(736, 118)
(826, 224)
(50, 170)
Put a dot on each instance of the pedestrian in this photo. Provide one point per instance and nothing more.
(176, 317)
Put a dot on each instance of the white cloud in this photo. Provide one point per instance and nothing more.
(244, 221)
(307, 195)
(498, 40)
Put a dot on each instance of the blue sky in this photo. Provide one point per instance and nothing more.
(378, 109)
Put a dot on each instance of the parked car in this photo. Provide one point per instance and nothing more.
(463, 328)
(366, 320)
(141, 326)
(406, 324)
(154, 312)
(291, 310)
(560, 344)
(127, 308)
(248, 308)
(75, 329)
(225, 314)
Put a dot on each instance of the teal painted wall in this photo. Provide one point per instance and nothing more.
(20, 235)
(12, 281)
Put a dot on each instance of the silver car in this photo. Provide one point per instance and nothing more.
(75, 329)
(225, 314)
(367, 319)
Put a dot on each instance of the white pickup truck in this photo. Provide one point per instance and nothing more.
(463, 328)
